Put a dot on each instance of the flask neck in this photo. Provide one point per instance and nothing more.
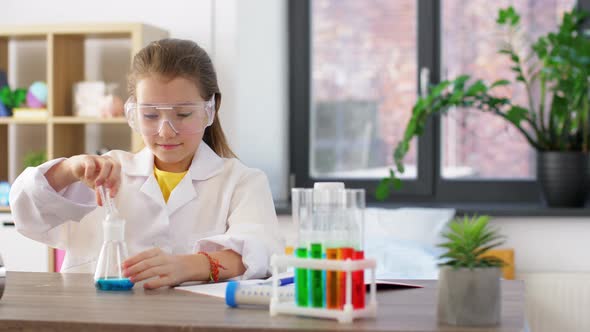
(113, 228)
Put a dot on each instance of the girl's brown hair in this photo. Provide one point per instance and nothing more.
(176, 57)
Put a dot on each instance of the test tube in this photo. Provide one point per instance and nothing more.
(355, 211)
(301, 209)
(328, 203)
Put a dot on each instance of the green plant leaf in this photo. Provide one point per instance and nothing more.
(439, 88)
(468, 239)
(459, 82)
(476, 88)
(34, 158)
(382, 191)
(397, 183)
(499, 83)
(20, 95)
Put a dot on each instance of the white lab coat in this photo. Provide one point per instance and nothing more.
(219, 204)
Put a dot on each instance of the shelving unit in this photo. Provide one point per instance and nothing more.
(63, 65)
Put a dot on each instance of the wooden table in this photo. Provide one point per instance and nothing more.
(69, 302)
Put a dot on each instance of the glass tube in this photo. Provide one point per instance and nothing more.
(329, 201)
(301, 209)
(355, 212)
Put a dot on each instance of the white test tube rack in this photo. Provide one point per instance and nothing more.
(345, 315)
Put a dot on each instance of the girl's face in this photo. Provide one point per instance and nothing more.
(172, 152)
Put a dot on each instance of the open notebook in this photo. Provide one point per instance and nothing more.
(218, 289)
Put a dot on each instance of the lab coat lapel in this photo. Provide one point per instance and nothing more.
(142, 165)
(205, 164)
(181, 195)
(151, 188)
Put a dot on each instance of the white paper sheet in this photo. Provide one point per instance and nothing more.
(218, 289)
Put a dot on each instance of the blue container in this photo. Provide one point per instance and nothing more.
(4, 190)
(122, 284)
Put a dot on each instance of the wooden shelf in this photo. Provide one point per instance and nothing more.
(12, 120)
(61, 134)
(92, 29)
(63, 120)
(87, 120)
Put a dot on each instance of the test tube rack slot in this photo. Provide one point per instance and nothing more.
(345, 315)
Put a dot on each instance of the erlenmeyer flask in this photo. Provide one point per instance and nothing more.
(109, 273)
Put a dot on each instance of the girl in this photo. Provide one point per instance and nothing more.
(193, 211)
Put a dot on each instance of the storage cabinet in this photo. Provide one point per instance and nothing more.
(62, 55)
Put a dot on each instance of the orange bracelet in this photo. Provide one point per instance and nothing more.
(213, 266)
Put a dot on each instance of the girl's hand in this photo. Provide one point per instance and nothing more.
(171, 270)
(96, 171)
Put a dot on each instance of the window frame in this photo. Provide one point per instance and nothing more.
(429, 186)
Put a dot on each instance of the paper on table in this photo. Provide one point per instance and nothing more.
(218, 289)
(215, 289)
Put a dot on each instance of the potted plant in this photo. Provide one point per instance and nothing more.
(34, 158)
(469, 281)
(556, 74)
(10, 99)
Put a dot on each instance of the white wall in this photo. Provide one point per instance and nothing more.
(247, 41)
(250, 48)
(548, 244)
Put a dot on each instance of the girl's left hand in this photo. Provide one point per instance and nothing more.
(171, 270)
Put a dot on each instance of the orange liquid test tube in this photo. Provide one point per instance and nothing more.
(332, 283)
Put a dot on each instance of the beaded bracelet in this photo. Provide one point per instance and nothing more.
(213, 266)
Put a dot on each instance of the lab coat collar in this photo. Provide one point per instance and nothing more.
(206, 163)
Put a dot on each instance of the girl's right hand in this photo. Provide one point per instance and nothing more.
(92, 170)
(96, 171)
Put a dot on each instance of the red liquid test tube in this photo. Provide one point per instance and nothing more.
(343, 254)
(358, 283)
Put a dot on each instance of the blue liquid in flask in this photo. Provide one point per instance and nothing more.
(117, 284)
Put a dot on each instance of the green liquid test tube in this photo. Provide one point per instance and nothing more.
(301, 282)
(316, 280)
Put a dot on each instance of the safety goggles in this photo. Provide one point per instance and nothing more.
(183, 118)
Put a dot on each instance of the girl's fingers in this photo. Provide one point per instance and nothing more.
(160, 282)
(114, 179)
(103, 173)
(130, 262)
(98, 199)
(89, 170)
(151, 272)
(143, 266)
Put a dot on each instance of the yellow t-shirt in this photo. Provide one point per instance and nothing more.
(167, 181)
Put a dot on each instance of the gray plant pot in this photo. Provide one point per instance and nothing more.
(564, 177)
(469, 297)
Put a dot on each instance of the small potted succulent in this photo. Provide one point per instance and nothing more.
(469, 281)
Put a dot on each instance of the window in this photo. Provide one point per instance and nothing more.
(354, 79)
(364, 86)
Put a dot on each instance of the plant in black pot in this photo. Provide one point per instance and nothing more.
(555, 72)
(469, 281)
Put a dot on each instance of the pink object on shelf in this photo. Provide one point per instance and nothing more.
(59, 259)
(33, 102)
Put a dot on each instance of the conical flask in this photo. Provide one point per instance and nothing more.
(109, 273)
